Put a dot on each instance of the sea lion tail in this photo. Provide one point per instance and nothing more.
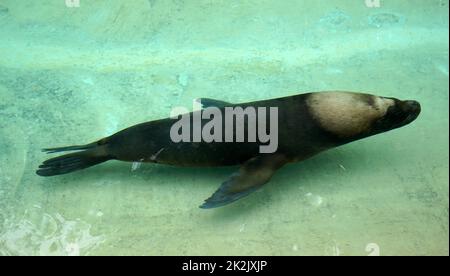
(67, 163)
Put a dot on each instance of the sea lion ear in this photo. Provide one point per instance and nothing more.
(251, 176)
(206, 102)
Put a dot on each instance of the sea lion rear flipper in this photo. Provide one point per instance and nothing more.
(251, 176)
(207, 102)
(67, 163)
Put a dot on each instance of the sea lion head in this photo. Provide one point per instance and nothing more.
(350, 116)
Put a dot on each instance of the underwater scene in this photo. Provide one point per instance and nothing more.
(75, 72)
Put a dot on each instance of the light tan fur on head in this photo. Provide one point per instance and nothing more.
(347, 113)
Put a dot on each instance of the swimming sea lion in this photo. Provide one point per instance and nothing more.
(307, 124)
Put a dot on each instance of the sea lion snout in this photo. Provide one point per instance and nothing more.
(404, 112)
(411, 106)
(398, 115)
(411, 109)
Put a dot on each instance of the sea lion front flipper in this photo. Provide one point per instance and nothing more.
(251, 176)
(207, 102)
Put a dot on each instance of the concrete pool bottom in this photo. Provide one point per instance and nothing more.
(391, 190)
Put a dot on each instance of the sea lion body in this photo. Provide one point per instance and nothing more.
(307, 124)
(299, 136)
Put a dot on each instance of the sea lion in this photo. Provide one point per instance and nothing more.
(307, 125)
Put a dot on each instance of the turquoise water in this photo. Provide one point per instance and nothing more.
(73, 75)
